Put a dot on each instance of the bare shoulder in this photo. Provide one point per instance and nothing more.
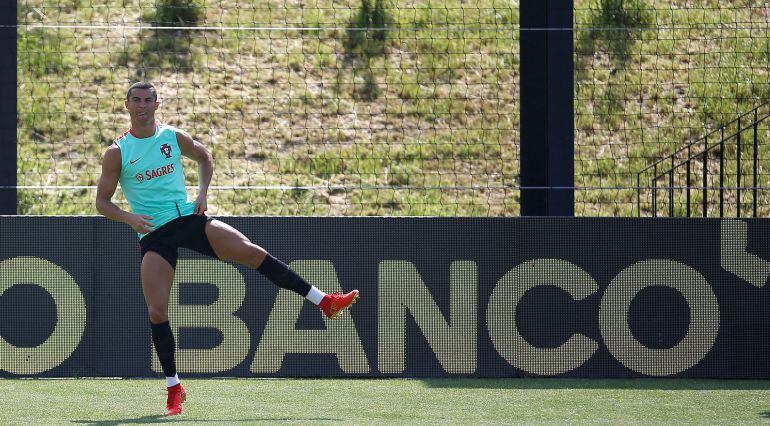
(112, 150)
(190, 147)
(183, 137)
(112, 156)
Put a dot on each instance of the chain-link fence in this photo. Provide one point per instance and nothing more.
(376, 107)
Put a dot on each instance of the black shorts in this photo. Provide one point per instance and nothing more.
(186, 231)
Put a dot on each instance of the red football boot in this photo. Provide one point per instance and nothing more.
(176, 396)
(333, 304)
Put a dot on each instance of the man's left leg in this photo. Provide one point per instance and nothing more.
(231, 245)
(157, 274)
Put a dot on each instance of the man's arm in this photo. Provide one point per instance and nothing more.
(195, 150)
(105, 189)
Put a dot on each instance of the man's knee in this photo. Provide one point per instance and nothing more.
(157, 314)
(256, 255)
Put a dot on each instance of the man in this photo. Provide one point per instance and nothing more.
(146, 162)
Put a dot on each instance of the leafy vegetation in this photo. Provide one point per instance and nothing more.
(368, 30)
(617, 25)
(178, 13)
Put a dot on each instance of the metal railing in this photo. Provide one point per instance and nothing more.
(675, 175)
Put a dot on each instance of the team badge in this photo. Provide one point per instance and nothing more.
(165, 149)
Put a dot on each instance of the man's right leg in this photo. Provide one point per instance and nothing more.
(231, 245)
(157, 278)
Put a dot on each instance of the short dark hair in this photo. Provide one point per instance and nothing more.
(142, 85)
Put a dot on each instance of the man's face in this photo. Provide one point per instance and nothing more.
(141, 105)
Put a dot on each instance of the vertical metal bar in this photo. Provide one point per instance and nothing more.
(9, 151)
(722, 174)
(671, 193)
(705, 178)
(738, 173)
(639, 196)
(546, 108)
(754, 191)
(655, 191)
(671, 188)
(688, 181)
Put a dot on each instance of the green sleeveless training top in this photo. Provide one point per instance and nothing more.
(151, 175)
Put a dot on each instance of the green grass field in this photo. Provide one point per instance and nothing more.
(358, 401)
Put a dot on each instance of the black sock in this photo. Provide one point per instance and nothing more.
(163, 339)
(280, 274)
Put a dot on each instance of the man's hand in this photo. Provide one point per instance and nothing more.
(140, 223)
(201, 205)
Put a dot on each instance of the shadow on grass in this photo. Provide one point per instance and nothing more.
(139, 420)
(163, 419)
(642, 383)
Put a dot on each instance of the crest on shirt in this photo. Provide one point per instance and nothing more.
(165, 149)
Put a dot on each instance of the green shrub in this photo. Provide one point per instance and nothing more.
(369, 42)
(617, 25)
(178, 13)
(170, 48)
(43, 51)
(629, 14)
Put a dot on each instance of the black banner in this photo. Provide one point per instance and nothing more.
(486, 297)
